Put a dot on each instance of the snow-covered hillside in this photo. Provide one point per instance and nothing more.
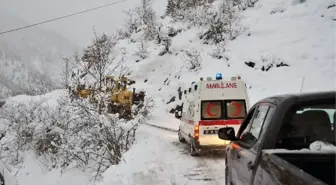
(274, 46)
(30, 59)
(300, 35)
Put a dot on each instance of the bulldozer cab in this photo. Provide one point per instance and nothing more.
(80, 87)
(120, 92)
(121, 84)
(115, 85)
(109, 83)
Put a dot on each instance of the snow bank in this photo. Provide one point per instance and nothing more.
(34, 171)
(51, 99)
(50, 135)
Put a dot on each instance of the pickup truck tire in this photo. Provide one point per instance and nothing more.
(180, 137)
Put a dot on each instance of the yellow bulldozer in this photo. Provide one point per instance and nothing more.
(120, 98)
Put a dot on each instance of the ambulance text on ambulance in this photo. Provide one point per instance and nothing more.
(221, 85)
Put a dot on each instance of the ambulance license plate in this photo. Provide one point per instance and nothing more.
(210, 132)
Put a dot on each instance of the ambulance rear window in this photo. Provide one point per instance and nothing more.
(223, 109)
(211, 110)
(235, 109)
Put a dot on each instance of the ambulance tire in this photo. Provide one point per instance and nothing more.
(180, 137)
(192, 149)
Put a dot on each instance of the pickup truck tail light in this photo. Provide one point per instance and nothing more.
(196, 131)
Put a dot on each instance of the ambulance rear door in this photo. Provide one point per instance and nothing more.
(216, 114)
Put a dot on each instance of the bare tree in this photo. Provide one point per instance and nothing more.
(132, 22)
(142, 51)
(123, 69)
(229, 19)
(99, 56)
(146, 12)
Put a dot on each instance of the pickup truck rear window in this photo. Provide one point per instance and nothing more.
(223, 109)
(309, 123)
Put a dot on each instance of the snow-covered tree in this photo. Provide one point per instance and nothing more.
(68, 134)
(147, 19)
(193, 60)
(142, 51)
(98, 57)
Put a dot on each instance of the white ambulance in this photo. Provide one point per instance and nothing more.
(208, 106)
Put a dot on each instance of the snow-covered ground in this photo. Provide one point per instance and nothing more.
(300, 35)
(159, 158)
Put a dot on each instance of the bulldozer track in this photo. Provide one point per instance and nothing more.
(160, 127)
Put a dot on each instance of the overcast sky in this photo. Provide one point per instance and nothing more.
(78, 29)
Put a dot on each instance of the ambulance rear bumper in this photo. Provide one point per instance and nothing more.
(210, 147)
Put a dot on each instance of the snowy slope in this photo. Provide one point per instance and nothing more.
(28, 56)
(297, 34)
(289, 37)
(274, 32)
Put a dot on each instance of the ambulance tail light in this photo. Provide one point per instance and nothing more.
(196, 131)
(239, 78)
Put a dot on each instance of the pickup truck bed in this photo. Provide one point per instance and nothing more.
(284, 140)
(320, 166)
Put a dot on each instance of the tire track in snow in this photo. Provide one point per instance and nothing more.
(208, 169)
(160, 127)
(162, 162)
(216, 167)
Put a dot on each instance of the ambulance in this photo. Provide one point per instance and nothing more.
(208, 106)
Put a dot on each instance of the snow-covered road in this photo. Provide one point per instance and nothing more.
(162, 159)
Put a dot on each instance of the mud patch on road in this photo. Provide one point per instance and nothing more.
(215, 154)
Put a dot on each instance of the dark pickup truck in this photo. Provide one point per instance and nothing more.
(286, 139)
